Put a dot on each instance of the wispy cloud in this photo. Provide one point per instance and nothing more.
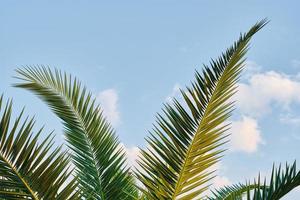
(290, 119)
(109, 103)
(218, 181)
(132, 154)
(221, 181)
(251, 68)
(175, 93)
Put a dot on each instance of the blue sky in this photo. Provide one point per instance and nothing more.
(135, 55)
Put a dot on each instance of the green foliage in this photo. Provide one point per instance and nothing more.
(29, 170)
(186, 141)
(233, 192)
(97, 154)
(281, 182)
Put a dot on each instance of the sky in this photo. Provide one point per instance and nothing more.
(135, 55)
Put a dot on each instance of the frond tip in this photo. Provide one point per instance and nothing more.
(29, 169)
(188, 139)
(282, 181)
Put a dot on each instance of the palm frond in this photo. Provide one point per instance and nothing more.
(98, 157)
(282, 181)
(29, 170)
(186, 142)
(232, 192)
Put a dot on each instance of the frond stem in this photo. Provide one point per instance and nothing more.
(34, 196)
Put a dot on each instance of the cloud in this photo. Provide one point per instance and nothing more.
(290, 119)
(264, 89)
(251, 68)
(109, 103)
(259, 91)
(218, 181)
(132, 154)
(221, 181)
(245, 135)
(175, 93)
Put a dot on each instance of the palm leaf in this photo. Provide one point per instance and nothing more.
(29, 170)
(186, 142)
(233, 192)
(282, 181)
(98, 157)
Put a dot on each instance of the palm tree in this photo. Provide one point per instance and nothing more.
(186, 142)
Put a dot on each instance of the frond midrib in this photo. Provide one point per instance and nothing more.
(189, 150)
(207, 109)
(80, 120)
(90, 148)
(26, 184)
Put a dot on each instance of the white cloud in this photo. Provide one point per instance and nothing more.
(290, 119)
(264, 89)
(251, 68)
(257, 96)
(109, 103)
(221, 181)
(245, 135)
(132, 154)
(175, 93)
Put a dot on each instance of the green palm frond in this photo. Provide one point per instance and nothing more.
(29, 170)
(98, 157)
(186, 142)
(282, 181)
(232, 192)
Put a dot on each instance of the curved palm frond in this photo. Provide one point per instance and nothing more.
(282, 181)
(186, 142)
(233, 192)
(29, 170)
(98, 157)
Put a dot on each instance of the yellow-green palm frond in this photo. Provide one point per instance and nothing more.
(187, 141)
(29, 169)
(97, 154)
